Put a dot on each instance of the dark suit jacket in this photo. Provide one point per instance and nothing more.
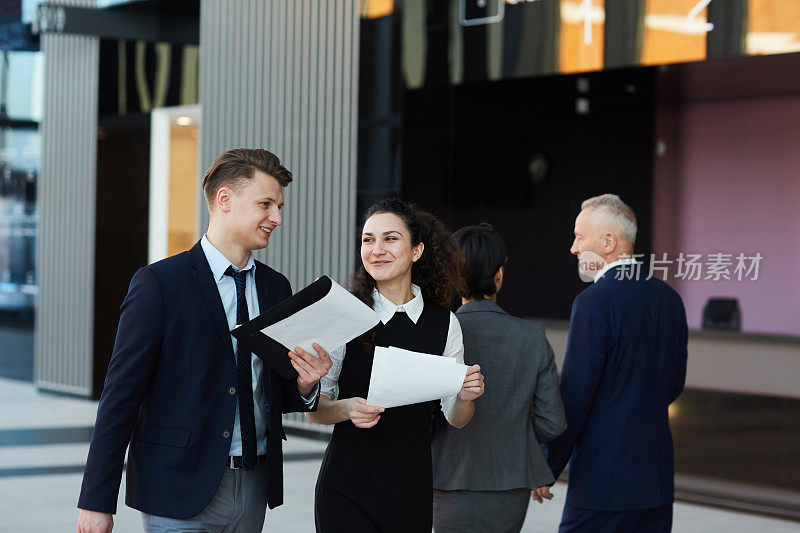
(625, 363)
(167, 393)
(500, 447)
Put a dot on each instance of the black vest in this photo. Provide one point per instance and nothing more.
(386, 470)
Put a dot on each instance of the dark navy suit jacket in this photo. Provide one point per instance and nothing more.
(167, 393)
(625, 363)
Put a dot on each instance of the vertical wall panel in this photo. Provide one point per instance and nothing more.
(283, 75)
(63, 339)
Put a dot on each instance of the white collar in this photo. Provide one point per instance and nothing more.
(218, 262)
(386, 309)
(602, 271)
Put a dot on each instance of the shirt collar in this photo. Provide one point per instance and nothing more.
(480, 305)
(218, 262)
(618, 262)
(386, 309)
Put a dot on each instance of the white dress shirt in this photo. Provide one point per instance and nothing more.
(386, 309)
(227, 292)
(602, 271)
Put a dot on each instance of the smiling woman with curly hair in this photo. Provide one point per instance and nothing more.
(377, 473)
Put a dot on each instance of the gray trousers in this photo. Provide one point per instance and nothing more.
(466, 511)
(239, 506)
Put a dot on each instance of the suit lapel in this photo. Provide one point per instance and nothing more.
(209, 293)
(262, 289)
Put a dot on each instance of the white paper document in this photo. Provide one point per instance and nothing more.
(332, 321)
(402, 377)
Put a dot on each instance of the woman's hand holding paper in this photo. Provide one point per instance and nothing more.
(310, 369)
(363, 415)
(473, 384)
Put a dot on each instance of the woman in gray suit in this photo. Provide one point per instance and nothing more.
(484, 473)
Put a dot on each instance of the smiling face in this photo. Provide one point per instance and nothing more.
(252, 211)
(386, 248)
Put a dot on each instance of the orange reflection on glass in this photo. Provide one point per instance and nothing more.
(773, 26)
(372, 9)
(581, 44)
(671, 35)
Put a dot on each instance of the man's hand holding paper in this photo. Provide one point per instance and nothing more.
(310, 369)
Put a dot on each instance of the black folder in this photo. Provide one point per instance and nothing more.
(273, 353)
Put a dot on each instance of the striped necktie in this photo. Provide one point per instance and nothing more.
(245, 386)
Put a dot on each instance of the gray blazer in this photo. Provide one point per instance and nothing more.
(521, 408)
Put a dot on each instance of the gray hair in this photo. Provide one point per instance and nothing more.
(610, 212)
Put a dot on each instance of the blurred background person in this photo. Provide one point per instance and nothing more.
(485, 472)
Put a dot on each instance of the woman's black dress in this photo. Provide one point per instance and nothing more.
(380, 478)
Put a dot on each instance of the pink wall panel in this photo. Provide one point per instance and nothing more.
(737, 189)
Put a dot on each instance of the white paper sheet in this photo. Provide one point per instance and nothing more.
(402, 377)
(333, 321)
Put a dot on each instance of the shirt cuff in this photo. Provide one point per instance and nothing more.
(309, 401)
(447, 406)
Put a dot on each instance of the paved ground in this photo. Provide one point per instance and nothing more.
(43, 445)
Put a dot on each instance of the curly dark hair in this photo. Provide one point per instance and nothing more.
(437, 272)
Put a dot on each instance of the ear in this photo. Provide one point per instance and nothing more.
(416, 252)
(498, 278)
(609, 243)
(222, 200)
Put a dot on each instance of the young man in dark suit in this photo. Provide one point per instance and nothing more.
(202, 415)
(625, 363)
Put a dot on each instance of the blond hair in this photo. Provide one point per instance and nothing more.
(236, 167)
